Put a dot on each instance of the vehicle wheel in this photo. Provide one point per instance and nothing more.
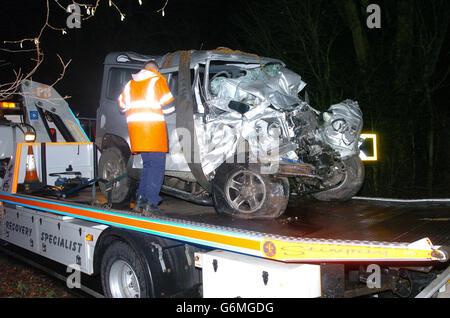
(243, 193)
(123, 274)
(349, 177)
(113, 164)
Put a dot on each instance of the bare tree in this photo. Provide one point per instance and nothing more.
(32, 45)
(11, 88)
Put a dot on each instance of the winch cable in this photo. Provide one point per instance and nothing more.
(437, 200)
(184, 120)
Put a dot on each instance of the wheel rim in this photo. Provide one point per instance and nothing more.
(338, 175)
(245, 191)
(111, 171)
(123, 281)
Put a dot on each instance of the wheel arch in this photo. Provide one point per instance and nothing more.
(172, 279)
(110, 140)
(120, 146)
(113, 234)
(351, 184)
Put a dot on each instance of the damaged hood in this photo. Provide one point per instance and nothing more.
(272, 85)
(219, 136)
(255, 106)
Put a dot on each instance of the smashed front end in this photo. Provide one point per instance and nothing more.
(259, 107)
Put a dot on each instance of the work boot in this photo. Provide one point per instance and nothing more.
(140, 204)
(151, 210)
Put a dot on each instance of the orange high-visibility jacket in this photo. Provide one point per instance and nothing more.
(143, 100)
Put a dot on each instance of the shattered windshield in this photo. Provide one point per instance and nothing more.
(254, 85)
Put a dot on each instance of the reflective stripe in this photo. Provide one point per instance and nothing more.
(150, 96)
(148, 102)
(143, 104)
(125, 98)
(126, 103)
(127, 93)
(121, 102)
(145, 117)
(168, 110)
(166, 98)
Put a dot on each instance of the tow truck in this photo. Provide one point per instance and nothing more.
(50, 206)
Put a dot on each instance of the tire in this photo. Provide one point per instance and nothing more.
(244, 193)
(113, 164)
(123, 273)
(349, 184)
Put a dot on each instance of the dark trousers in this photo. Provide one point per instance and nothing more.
(152, 176)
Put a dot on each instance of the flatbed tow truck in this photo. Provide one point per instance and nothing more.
(316, 249)
(238, 257)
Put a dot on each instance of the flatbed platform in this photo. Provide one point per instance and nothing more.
(308, 231)
(356, 219)
(351, 220)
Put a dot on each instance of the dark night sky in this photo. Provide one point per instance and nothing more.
(187, 24)
(198, 24)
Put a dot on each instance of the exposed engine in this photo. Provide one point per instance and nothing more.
(325, 140)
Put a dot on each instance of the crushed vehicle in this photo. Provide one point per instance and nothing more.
(242, 138)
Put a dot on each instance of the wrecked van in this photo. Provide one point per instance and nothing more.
(242, 138)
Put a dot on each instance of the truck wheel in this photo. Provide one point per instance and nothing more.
(123, 274)
(243, 193)
(113, 164)
(349, 178)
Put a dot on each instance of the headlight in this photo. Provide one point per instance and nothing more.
(8, 105)
(326, 116)
(339, 125)
(29, 136)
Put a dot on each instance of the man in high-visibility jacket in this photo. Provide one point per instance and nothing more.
(146, 99)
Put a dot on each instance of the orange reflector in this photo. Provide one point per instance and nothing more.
(7, 105)
(52, 132)
(89, 237)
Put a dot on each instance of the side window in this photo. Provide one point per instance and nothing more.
(172, 82)
(117, 79)
(201, 83)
